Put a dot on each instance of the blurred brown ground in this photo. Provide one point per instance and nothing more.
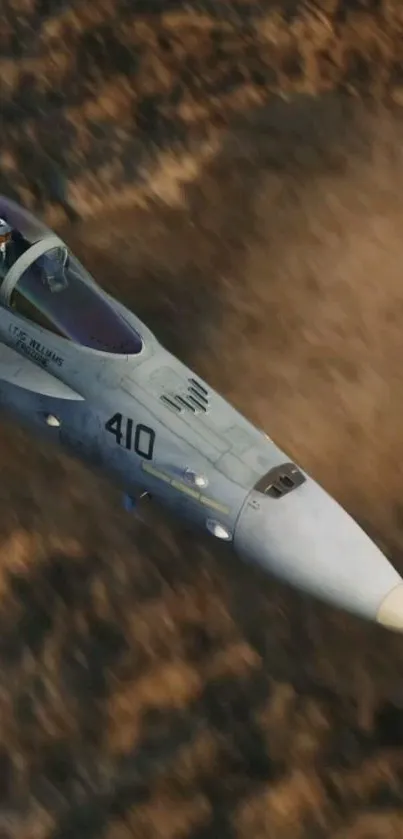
(150, 687)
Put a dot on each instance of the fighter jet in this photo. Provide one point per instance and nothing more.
(81, 368)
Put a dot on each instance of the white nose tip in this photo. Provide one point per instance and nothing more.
(390, 612)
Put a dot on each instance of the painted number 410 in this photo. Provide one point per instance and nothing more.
(139, 437)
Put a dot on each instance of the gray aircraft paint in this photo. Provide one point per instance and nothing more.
(304, 536)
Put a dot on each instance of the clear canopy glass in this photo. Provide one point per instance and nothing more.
(47, 285)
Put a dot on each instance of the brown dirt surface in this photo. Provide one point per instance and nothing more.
(151, 686)
(93, 92)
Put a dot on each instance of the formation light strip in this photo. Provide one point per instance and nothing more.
(181, 487)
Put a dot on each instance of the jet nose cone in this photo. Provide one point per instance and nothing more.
(390, 612)
(307, 539)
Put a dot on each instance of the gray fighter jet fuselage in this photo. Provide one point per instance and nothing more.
(78, 366)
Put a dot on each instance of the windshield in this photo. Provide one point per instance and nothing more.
(52, 293)
(41, 280)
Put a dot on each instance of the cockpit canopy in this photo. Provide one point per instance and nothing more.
(42, 281)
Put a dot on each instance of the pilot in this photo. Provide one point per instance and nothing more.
(5, 244)
(12, 245)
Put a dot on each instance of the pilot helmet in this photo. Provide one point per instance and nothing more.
(5, 232)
